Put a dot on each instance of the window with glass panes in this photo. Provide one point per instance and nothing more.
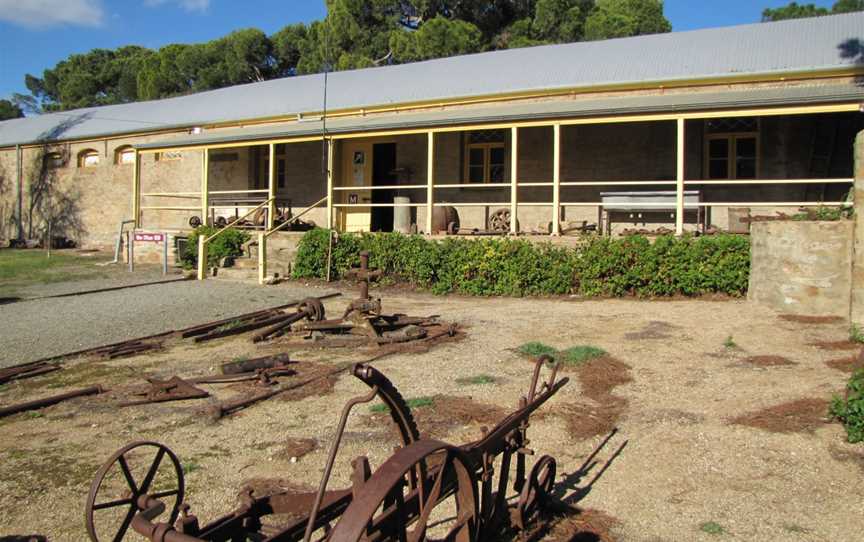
(732, 148)
(485, 156)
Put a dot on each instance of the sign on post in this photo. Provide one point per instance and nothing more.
(144, 237)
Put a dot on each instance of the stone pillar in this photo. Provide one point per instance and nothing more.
(857, 315)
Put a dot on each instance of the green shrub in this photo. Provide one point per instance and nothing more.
(228, 243)
(850, 410)
(516, 267)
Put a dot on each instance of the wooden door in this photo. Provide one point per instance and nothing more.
(356, 172)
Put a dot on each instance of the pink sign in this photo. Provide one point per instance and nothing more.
(149, 237)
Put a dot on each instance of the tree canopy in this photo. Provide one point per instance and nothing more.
(9, 110)
(794, 10)
(354, 34)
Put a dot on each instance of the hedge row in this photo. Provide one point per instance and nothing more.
(597, 266)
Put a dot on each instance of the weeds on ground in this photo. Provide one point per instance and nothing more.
(712, 527)
(536, 349)
(856, 334)
(416, 402)
(730, 342)
(572, 356)
(792, 528)
(850, 409)
(476, 380)
(576, 355)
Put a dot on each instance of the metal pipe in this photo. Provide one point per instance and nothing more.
(48, 401)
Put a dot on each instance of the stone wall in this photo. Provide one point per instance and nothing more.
(802, 267)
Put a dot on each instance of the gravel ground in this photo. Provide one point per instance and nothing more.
(40, 328)
(674, 465)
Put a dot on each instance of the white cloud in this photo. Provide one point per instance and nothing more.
(188, 5)
(45, 13)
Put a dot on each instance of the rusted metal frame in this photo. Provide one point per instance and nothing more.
(334, 449)
(243, 327)
(48, 401)
(204, 328)
(161, 391)
(231, 406)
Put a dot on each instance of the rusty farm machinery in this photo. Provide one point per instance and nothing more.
(426, 490)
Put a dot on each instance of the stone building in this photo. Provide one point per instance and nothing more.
(695, 127)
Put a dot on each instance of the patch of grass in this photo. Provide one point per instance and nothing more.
(416, 402)
(576, 355)
(730, 342)
(856, 334)
(20, 267)
(476, 380)
(240, 359)
(34, 414)
(535, 349)
(712, 527)
(792, 528)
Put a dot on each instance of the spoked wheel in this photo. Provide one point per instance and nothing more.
(133, 471)
(500, 221)
(392, 506)
(537, 490)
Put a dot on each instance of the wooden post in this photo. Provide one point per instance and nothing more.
(556, 180)
(262, 257)
(330, 184)
(430, 180)
(136, 191)
(679, 177)
(271, 188)
(514, 178)
(857, 286)
(205, 189)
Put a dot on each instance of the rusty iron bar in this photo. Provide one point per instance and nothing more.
(48, 401)
(205, 328)
(331, 458)
(250, 365)
(26, 371)
(228, 407)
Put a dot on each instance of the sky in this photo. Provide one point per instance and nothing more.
(36, 34)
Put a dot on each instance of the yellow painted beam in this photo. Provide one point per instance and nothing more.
(330, 157)
(136, 190)
(514, 178)
(679, 178)
(271, 188)
(205, 185)
(556, 179)
(430, 180)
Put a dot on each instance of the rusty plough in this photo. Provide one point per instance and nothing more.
(426, 490)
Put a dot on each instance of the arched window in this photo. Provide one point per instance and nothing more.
(88, 158)
(124, 155)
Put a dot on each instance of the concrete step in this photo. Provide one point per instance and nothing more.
(237, 274)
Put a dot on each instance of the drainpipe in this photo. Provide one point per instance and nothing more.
(20, 176)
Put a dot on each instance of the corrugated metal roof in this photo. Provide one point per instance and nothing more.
(668, 103)
(764, 48)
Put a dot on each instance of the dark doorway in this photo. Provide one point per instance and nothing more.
(383, 174)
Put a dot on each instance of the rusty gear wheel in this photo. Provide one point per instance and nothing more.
(119, 466)
(313, 308)
(194, 221)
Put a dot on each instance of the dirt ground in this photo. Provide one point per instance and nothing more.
(687, 435)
